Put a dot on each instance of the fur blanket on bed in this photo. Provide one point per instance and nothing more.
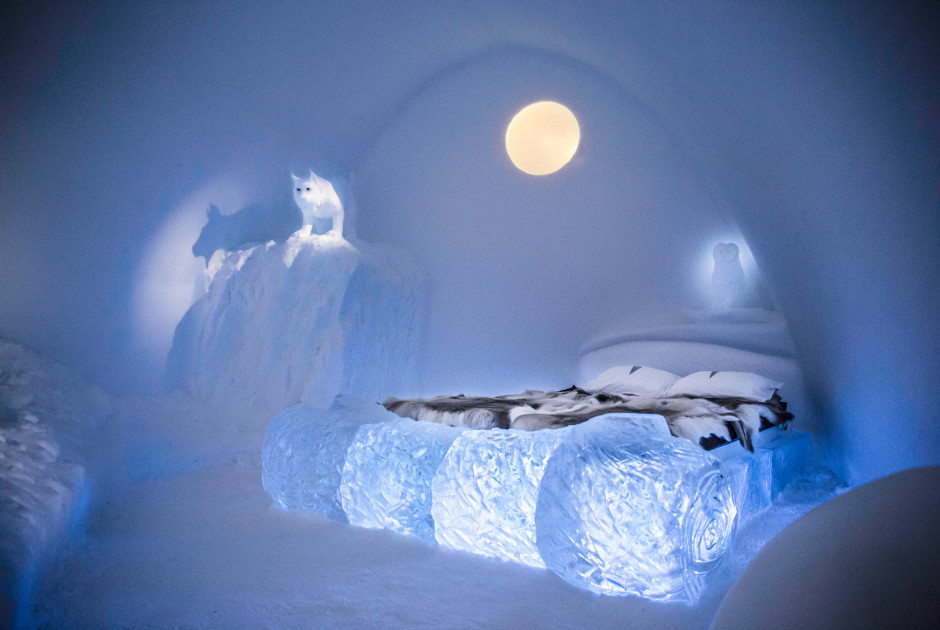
(709, 422)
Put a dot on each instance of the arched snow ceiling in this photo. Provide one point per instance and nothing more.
(525, 270)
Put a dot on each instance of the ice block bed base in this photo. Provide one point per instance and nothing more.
(616, 505)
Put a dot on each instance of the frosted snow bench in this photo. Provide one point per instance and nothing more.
(616, 505)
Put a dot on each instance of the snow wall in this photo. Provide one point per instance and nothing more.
(811, 128)
(52, 429)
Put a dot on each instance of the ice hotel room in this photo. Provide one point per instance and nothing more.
(478, 314)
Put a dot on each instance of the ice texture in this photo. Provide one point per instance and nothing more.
(793, 456)
(751, 475)
(300, 321)
(305, 449)
(758, 478)
(486, 489)
(616, 505)
(387, 475)
(626, 510)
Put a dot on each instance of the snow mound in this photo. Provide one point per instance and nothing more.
(299, 322)
(47, 421)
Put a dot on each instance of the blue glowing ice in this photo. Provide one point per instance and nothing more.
(486, 489)
(757, 478)
(616, 505)
(751, 476)
(305, 449)
(628, 511)
(794, 456)
(386, 480)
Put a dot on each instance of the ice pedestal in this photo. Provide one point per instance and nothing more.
(622, 511)
(300, 321)
(386, 478)
(305, 449)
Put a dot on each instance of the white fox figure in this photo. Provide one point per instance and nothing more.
(317, 199)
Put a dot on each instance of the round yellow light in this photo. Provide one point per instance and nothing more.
(542, 137)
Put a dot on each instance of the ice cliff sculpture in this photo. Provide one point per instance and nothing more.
(317, 199)
(300, 321)
(616, 505)
(52, 427)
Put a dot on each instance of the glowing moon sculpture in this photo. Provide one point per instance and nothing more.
(542, 137)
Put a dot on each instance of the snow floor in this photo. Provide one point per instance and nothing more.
(193, 541)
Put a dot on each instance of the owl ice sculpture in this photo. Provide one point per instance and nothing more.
(728, 286)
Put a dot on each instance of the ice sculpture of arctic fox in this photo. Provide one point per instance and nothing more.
(317, 199)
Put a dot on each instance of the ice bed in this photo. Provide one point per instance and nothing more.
(590, 482)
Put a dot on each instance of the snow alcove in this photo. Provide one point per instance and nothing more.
(195, 346)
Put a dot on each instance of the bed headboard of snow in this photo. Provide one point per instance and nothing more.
(761, 348)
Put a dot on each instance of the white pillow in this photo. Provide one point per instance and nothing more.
(725, 385)
(632, 379)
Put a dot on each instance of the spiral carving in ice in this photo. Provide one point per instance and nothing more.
(387, 475)
(623, 511)
(707, 528)
(304, 451)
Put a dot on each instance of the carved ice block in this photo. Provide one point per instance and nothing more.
(486, 489)
(387, 475)
(305, 449)
(625, 511)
